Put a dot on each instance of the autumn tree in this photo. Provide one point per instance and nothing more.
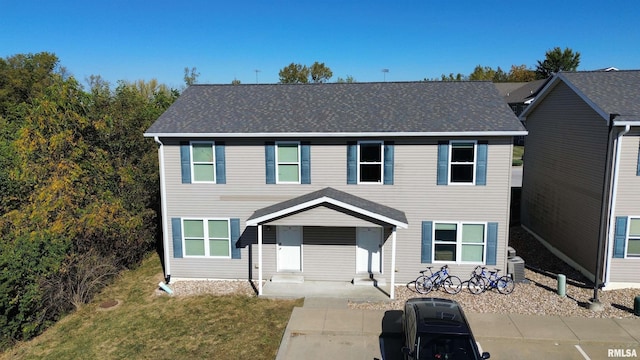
(520, 73)
(557, 60)
(301, 74)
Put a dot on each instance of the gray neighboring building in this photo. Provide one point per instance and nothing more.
(581, 182)
(336, 182)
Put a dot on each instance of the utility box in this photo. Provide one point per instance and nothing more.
(515, 267)
(511, 252)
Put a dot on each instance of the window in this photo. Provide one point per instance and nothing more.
(206, 237)
(633, 238)
(370, 155)
(462, 162)
(288, 163)
(203, 162)
(459, 242)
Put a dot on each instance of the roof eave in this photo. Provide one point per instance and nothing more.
(339, 134)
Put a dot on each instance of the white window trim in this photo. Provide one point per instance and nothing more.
(628, 233)
(205, 223)
(278, 163)
(381, 162)
(459, 244)
(474, 163)
(193, 162)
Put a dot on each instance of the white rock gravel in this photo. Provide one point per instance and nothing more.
(537, 297)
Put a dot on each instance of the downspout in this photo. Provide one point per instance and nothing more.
(612, 206)
(163, 211)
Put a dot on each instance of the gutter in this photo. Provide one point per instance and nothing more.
(163, 211)
(612, 205)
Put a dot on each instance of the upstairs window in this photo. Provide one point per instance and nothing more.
(370, 156)
(288, 163)
(203, 162)
(462, 162)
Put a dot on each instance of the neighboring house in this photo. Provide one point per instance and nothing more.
(581, 183)
(519, 95)
(335, 181)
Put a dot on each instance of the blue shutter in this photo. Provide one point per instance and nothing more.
(492, 243)
(176, 227)
(185, 161)
(352, 163)
(427, 231)
(235, 235)
(221, 174)
(305, 163)
(620, 239)
(443, 163)
(388, 162)
(638, 168)
(270, 162)
(481, 163)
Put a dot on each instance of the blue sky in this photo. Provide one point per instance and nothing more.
(131, 40)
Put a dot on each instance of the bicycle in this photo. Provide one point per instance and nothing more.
(425, 283)
(481, 282)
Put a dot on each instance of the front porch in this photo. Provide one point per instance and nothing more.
(325, 289)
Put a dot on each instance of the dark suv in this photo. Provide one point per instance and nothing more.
(437, 329)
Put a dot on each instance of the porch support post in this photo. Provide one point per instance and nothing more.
(259, 259)
(392, 291)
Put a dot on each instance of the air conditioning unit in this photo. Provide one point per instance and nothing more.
(515, 267)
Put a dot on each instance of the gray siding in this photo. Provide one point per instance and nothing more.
(627, 203)
(414, 191)
(563, 174)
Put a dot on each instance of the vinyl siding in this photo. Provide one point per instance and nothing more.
(414, 191)
(563, 174)
(627, 203)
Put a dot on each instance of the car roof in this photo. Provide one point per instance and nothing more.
(435, 315)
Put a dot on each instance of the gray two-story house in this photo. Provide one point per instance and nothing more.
(581, 183)
(335, 181)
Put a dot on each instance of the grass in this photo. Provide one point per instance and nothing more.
(518, 152)
(147, 326)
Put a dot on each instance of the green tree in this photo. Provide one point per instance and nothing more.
(190, 76)
(294, 74)
(320, 73)
(482, 73)
(520, 73)
(348, 79)
(557, 60)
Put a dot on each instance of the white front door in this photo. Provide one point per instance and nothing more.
(369, 250)
(289, 248)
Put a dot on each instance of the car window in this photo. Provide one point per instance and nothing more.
(451, 347)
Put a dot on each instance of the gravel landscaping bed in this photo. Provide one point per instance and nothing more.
(537, 297)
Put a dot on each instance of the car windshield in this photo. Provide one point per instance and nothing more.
(441, 346)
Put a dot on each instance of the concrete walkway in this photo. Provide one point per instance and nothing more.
(325, 328)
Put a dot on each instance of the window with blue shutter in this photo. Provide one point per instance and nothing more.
(185, 162)
(270, 162)
(235, 235)
(638, 168)
(620, 237)
(388, 162)
(176, 228)
(352, 162)
(427, 234)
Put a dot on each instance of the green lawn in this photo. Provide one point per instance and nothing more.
(518, 152)
(146, 326)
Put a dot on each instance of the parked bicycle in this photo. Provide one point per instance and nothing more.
(482, 281)
(427, 282)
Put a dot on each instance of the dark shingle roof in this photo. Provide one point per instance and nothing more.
(614, 92)
(331, 195)
(522, 92)
(408, 107)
